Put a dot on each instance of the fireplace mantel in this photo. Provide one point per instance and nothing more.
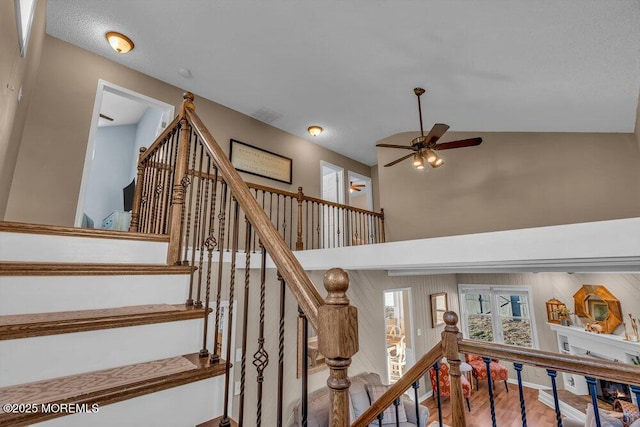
(575, 340)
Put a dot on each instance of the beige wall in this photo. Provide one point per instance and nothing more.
(49, 169)
(15, 72)
(511, 181)
(638, 122)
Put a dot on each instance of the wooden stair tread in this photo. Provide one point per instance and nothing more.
(106, 386)
(216, 422)
(23, 227)
(11, 268)
(39, 324)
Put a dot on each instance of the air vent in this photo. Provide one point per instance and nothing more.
(266, 115)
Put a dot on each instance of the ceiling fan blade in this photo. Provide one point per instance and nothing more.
(356, 189)
(458, 144)
(435, 133)
(398, 161)
(406, 147)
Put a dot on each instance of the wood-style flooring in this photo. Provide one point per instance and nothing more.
(507, 406)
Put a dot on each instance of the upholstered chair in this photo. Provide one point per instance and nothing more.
(445, 384)
(479, 370)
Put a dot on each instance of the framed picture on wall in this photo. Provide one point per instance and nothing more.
(256, 161)
(439, 305)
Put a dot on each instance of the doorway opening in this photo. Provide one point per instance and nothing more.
(360, 191)
(399, 339)
(122, 122)
(332, 188)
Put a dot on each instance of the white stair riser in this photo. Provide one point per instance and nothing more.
(42, 294)
(186, 405)
(51, 248)
(32, 359)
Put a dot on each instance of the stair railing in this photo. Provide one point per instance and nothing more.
(188, 189)
(453, 345)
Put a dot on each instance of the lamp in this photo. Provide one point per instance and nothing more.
(437, 161)
(431, 156)
(119, 42)
(314, 130)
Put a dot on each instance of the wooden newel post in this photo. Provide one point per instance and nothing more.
(382, 224)
(299, 244)
(338, 342)
(180, 183)
(450, 337)
(137, 196)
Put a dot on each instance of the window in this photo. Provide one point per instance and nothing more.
(498, 314)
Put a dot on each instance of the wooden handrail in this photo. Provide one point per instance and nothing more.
(396, 390)
(160, 139)
(288, 265)
(581, 365)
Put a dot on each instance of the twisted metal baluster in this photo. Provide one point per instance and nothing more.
(591, 383)
(281, 350)
(436, 368)
(552, 374)
(523, 409)
(302, 321)
(215, 357)
(196, 230)
(193, 150)
(261, 357)
(245, 317)
(225, 421)
(416, 386)
(487, 362)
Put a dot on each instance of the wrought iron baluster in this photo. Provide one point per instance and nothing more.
(225, 421)
(261, 357)
(552, 374)
(396, 404)
(636, 390)
(523, 409)
(416, 386)
(302, 318)
(245, 317)
(196, 227)
(436, 368)
(487, 362)
(215, 356)
(591, 383)
(281, 350)
(210, 244)
(189, 182)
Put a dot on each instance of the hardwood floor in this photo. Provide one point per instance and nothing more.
(507, 407)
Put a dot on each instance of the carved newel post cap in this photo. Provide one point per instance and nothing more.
(336, 282)
(188, 96)
(143, 149)
(451, 320)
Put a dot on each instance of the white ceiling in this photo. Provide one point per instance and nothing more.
(351, 66)
(123, 111)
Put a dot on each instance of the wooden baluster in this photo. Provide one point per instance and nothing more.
(261, 357)
(177, 201)
(382, 226)
(450, 337)
(245, 318)
(338, 342)
(137, 196)
(523, 409)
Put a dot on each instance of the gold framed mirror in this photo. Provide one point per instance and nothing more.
(598, 305)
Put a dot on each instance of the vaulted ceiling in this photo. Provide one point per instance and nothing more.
(351, 66)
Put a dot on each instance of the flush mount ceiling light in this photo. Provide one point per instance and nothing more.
(314, 130)
(119, 42)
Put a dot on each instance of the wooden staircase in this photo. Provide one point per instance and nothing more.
(79, 334)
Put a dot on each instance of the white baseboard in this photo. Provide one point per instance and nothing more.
(566, 410)
(528, 384)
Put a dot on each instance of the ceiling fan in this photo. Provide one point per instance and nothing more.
(355, 187)
(425, 147)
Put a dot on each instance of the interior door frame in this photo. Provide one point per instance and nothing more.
(103, 86)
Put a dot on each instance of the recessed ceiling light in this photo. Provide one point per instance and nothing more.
(119, 42)
(314, 130)
(185, 72)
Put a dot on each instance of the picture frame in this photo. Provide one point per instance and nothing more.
(315, 361)
(257, 161)
(439, 305)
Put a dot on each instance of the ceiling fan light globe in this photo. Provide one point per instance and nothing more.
(417, 161)
(439, 162)
(431, 156)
